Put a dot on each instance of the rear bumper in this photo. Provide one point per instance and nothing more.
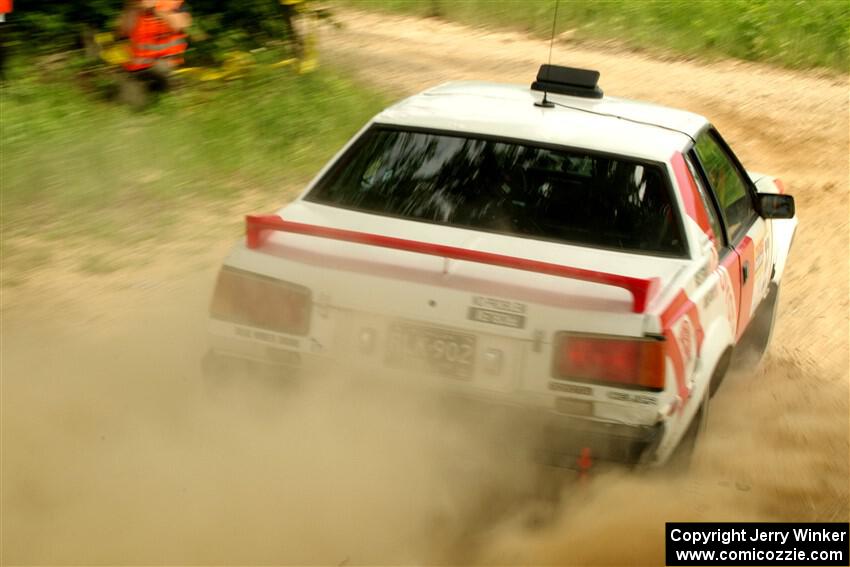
(560, 439)
(566, 437)
(220, 367)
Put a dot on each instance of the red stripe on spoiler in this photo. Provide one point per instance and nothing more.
(642, 290)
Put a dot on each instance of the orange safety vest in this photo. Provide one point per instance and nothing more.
(153, 40)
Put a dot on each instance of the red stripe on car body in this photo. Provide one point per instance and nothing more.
(690, 194)
(681, 306)
(732, 265)
(672, 348)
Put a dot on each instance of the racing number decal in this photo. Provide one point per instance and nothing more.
(684, 334)
(729, 292)
(686, 342)
(682, 328)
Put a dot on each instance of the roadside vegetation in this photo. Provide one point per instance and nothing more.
(78, 168)
(790, 33)
(252, 113)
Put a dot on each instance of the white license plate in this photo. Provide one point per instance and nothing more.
(443, 352)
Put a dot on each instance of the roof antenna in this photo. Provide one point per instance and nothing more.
(546, 103)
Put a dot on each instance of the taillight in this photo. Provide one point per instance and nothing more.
(259, 301)
(620, 362)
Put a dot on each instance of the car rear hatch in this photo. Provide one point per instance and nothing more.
(483, 326)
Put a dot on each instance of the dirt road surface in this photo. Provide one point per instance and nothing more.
(113, 452)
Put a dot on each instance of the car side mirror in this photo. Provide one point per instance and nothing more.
(773, 206)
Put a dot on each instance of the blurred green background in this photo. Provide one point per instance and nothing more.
(790, 33)
(257, 114)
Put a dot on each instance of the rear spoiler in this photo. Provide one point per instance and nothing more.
(642, 290)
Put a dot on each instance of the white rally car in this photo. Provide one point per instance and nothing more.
(590, 258)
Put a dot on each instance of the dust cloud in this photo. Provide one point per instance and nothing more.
(775, 450)
(115, 451)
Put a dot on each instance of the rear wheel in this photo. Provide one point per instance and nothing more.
(680, 460)
(720, 372)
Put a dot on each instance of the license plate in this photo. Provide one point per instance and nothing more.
(444, 352)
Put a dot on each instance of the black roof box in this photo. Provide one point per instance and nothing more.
(568, 81)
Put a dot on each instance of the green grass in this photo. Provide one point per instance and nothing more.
(791, 33)
(76, 166)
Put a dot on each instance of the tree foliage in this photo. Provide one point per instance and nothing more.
(44, 26)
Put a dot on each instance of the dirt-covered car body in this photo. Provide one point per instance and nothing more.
(596, 259)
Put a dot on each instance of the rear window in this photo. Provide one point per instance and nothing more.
(507, 187)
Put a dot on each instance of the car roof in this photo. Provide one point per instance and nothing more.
(607, 124)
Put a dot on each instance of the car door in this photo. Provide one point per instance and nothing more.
(745, 231)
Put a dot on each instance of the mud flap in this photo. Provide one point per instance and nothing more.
(756, 339)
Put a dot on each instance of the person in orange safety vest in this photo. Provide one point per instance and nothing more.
(5, 8)
(157, 33)
(156, 29)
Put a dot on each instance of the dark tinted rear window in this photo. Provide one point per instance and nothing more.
(507, 187)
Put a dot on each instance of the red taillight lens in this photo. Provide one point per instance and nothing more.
(258, 301)
(635, 363)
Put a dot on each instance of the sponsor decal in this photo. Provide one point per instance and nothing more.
(634, 398)
(701, 274)
(729, 296)
(686, 340)
(499, 304)
(496, 318)
(265, 336)
(710, 296)
(571, 388)
(497, 312)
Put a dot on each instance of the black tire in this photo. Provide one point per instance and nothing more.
(720, 372)
(680, 460)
